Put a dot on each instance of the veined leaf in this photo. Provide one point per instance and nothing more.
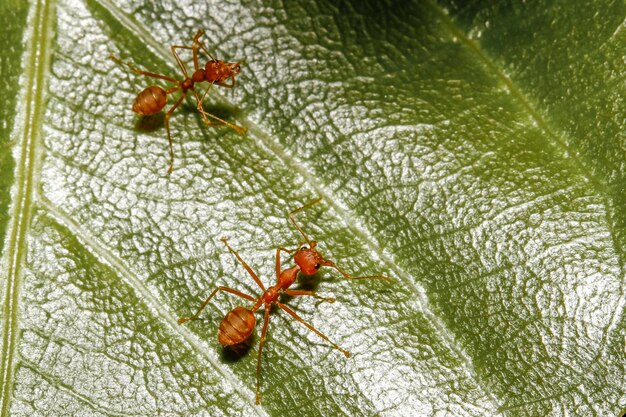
(476, 153)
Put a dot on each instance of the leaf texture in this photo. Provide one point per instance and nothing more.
(472, 151)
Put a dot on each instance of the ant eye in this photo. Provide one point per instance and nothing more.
(303, 248)
(317, 266)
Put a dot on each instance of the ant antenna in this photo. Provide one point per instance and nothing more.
(311, 260)
(311, 243)
(331, 264)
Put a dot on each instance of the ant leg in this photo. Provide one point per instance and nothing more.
(289, 251)
(266, 320)
(199, 44)
(142, 72)
(205, 93)
(201, 110)
(254, 276)
(167, 128)
(278, 268)
(173, 48)
(313, 329)
(293, 220)
(297, 293)
(184, 320)
(205, 114)
(199, 33)
(194, 48)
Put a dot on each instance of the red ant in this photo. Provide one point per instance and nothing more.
(239, 323)
(154, 98)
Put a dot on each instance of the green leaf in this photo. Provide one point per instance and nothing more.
(475, 153)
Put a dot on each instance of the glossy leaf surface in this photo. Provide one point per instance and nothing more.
(474, 153)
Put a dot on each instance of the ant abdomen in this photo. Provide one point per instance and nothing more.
(150, 101)
(236, 327)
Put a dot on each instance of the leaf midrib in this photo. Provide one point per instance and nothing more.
(131, 279)
(38, 58)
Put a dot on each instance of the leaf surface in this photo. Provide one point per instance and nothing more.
(476, 153)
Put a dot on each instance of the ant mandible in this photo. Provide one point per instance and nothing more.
(239, 323)
(154, 98)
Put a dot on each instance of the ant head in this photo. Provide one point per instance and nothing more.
(214, 71)
(310, 260)
(219, 71)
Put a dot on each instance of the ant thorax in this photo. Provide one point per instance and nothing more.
(198, 76)
(309, 260)
(288, 277)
